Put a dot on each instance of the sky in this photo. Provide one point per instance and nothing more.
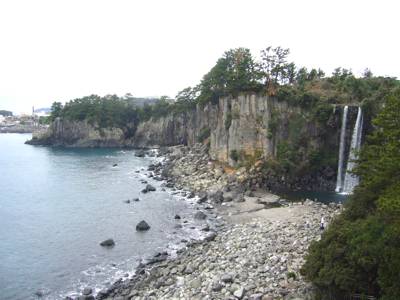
(58, 50)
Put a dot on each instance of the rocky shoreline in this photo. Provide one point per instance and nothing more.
(256, 253)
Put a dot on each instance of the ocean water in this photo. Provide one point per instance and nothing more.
(57, 205)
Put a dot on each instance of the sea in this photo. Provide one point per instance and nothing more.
(58, 204)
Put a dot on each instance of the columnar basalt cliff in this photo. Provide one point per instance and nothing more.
(248, 125)
(240, 130)
(67, 133)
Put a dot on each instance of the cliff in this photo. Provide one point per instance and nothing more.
(298, 146)
(66, 133)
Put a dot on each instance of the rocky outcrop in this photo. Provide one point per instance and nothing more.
(79, 134)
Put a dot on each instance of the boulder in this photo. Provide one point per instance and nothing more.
(150, 188)
(87, 291)
(258, 296)
(227, 278)
(177, 217)
(107, 243)
(210, 237)
(202, 197)
(239, 293)
(216, 287)
(228, 199)
(140, 153)
(217, 197)
(200, 215)
(142, 226)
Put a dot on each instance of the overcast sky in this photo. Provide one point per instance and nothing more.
(59, 50)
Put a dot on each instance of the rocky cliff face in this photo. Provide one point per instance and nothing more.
(79, 134)
(245, 128)
(240, 130)
(250, 125)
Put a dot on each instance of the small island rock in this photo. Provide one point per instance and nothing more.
(107, 243)
(142, 226)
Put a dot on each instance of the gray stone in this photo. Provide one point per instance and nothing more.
(227, 278)
(256, 297)
(216, 287)
(210, 237)
(195, 283)
(87, 291)
(239, 293)
(200, 215)
(142, 226)
(108, 243)
(150, 188)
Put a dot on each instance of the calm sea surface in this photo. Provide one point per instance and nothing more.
(56, 205)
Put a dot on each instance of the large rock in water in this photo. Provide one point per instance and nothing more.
(142, 226)
(107, 243)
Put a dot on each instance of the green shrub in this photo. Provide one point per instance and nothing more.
(234, 155)
(322, 112)
(291, 275)
(203, 134)
(228, 121)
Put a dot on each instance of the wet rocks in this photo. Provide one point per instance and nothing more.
(86, 294)
(148, 188)
(142, 226)
(87, 291)
(140, 153)
(107, 243)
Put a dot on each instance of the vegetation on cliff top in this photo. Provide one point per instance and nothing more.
(237, 71)
(359, 253)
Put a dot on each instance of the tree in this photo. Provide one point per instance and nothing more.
(56, 110)
(235, 72)
(367, 73)
(274, 65)
(302, 76)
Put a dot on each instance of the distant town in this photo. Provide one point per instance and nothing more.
(10, 123)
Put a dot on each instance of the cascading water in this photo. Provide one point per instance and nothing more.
(339, 181)
(351, 180)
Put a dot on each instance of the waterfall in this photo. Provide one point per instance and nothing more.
(339, 181)
(350, 180)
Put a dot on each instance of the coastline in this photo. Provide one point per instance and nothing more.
(254, 251)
